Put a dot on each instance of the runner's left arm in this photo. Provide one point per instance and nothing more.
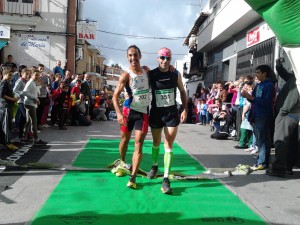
(183, 97)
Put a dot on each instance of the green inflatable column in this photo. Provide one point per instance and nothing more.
(283, 17)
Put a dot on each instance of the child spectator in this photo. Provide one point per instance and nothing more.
(20, 118)
(54, 110)
(214, 108)
(246, 128)
(222, 121)
(203, 94)
(99, 109)
(55, 84)
(63, 103)
(76, 89)
(202, 110)
(81, 113)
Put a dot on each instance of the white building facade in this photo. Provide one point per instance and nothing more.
(39, 32)
(228, 40)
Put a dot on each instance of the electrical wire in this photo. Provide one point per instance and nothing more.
(123, 50)
(141, 37)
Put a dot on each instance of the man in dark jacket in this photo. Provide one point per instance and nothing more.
(287, 111)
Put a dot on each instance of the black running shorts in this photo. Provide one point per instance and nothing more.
(163, 117)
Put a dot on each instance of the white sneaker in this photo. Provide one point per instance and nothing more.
(253, 152)
(249, 149)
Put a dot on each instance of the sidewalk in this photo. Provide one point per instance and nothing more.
(276, 200)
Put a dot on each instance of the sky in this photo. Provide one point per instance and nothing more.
(147, 18)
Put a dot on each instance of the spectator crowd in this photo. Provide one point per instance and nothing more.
(32, 99)
(252, 109)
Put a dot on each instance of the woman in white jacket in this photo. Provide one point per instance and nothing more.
(30, 103)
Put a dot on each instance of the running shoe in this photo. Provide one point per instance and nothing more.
(152, 173)
(255, 151)
(165, 187)
(132, 183)
(249, 149)
(258, 167)
(11, 147)
(25, 141)
(39, 142)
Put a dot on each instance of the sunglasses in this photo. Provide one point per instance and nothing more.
(165, 58)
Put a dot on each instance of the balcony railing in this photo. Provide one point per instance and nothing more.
(92, 67)
(22, 7)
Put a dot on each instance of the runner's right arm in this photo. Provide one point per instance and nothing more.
(123, 81)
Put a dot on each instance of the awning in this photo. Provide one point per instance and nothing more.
(2, 43)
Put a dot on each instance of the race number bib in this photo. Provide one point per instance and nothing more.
(165, 97)
(141, 98)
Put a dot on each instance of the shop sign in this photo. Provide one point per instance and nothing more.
(259, 34)
(4, 31)
(86, 31)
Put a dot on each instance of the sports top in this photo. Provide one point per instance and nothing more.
(163, 86)
(139, 91)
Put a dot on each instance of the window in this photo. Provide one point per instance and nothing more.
(23, 1)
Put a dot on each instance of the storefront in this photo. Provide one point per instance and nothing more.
(261, 49)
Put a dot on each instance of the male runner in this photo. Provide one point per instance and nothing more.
(136, 83)
(164, 112)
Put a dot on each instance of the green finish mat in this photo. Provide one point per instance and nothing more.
(101, 198)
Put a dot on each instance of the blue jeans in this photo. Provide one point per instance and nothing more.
(217, 126)
(262, 128)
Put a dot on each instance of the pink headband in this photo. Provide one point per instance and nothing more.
(164, 52)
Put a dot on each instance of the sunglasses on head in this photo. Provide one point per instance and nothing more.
(165, 58)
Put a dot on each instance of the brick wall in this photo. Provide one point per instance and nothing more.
(71, 38)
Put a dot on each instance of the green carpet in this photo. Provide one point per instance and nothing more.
(103, 199)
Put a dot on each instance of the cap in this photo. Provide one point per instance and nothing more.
(164, 52)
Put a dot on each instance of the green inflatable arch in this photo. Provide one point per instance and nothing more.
(283, 17)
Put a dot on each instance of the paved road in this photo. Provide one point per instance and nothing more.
(277, 200)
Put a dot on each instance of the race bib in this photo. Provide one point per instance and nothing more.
(165, 97)
(141, 98)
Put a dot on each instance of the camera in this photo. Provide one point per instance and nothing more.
(281, 59)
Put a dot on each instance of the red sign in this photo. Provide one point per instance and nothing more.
(86, 36)
(253, 37)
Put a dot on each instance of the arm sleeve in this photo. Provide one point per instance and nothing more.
(26, 91)
(283, 73)
(18, 88)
